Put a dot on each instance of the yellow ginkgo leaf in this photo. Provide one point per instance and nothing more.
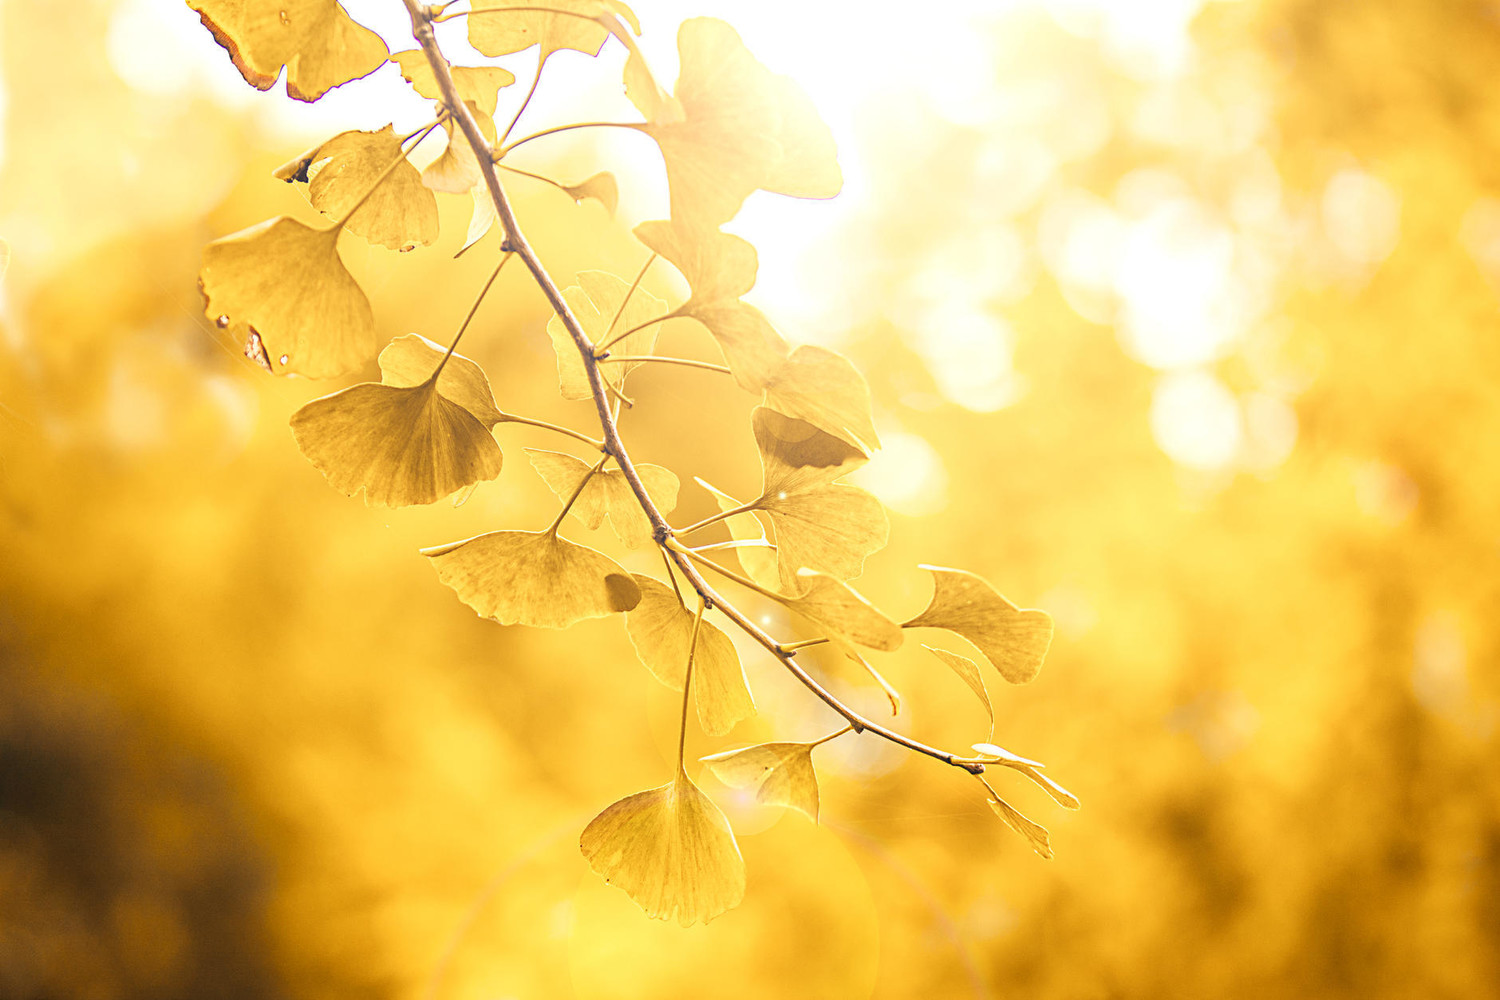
(735, 127)
(607, 494)
(411, 360)
(456, 171)
(477, 86)
(1015, 641)
(718, 267)
(671, 850)
(500, 27)
(781, 773)
(596, 301)
(533, 578)
(399, 213)
(1031, 769)
(968, 671)
(847, 615)
(481, 222)
(285, 282)
(661, 629)
(823, 388)
(756, 554)
(401, 445)
(797, 456)
(755, 352)
(320, 45)
(602, 187)
(1034, 832)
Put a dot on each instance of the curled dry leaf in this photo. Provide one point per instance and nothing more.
(399, 213)
(1032, 769)
(607, 494)
(533, 578)
(411, 360)
(781, 773)
(671, 850)
(1034, 832)
(1015, 641)
(834, 605)
(402, 446)
(757, 556)
(823, 388)
(661, 629)
(596, 301)
(968, 670)
(285, 281)
(734, 127)
(500, 27)
(316, 40)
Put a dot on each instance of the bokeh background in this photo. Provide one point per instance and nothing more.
(1182, 321)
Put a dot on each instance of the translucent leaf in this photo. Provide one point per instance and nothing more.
(968, 670)
(400, 213)
(796, 456)
(477, 86)
(285, 281)
(756, 555)
(533, 578)
(823, 388)
(832, 604)
(1015, 641)
(595, 300)
(1034, 832)
(671, 850)
(320, 45)
(607, 494)
(602, 187)
(411, 360)
(660, 628)
(1032, 770)
(735, 127)
(781, 773)
(402, 446)
(509, 27)
(481, 222)
(719, 267)
(754, 351)
(456, 171)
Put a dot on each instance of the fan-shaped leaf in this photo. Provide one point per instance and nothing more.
(823, 388)
(1015, 641)
(533, 578)
(757, 556)
(285, 281)
(968, 670)
(1032, 770)
(400, 213)
(781, 773)
(481, 222)
(719, 268)
(411, 360)
(401, 445)
(797, 456)
(320, 45)
(671, 850)
(607, 494)
(1034, 832)
(833, 605)
(754, 351)
(478, 86)
(596, 300)
(500, 27)
(602, 187)
(734, 127)
(456, 171)
(661, 629)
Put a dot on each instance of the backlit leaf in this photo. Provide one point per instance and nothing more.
(595, 300)
(607, 494)
(671, 850)
(968, 670)
(500, 27)
(477, 86)
(456, 171)
(847, 615)
(400, 213)
(781, 773)
(823, 388)
(756, 555)
(1032, 770)
(285, 281)
(320, 45)
(401, 445)
(1015, 641)
(482, 221)
(796, 456)
(754, 351)
(660, 628)
(718, 267)
(735, 127)
(411, 360)
(533, 578)
(602, 187)
(1034, 832)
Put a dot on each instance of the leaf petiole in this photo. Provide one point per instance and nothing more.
(577, 492)
(512, 418)
(541, 64)
(503, 150)
(687, 686)
(685, 362)
(638, 327)
(743, 508)
(478, 300)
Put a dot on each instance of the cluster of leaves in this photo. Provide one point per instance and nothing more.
(425, 431)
